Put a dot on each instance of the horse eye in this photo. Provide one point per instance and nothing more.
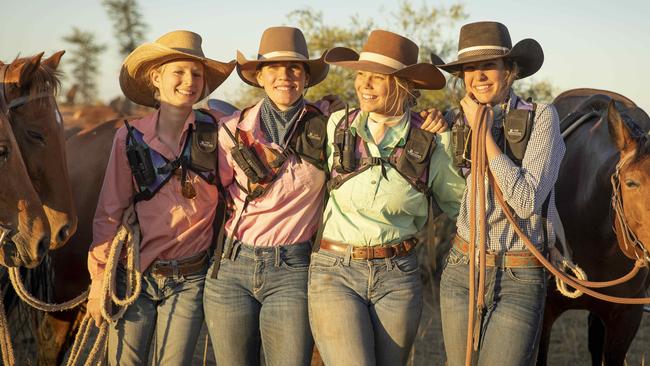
(36, 136)
(4, 153)
(631, 183)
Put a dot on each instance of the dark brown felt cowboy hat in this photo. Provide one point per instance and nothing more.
(483, 41)
(176, 45)
(280, 44)
(390, 54)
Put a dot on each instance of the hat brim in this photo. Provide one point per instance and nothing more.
(134, 74)
(247, 69)
(527, 53)
(422, 75)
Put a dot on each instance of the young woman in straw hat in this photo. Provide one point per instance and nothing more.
(365, 295)
(164, 164)
(524, 150)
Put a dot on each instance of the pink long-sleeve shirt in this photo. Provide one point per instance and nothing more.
(172, 226)
(290, 211)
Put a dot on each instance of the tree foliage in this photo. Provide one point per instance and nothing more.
(425, 25)
(127, 23)
(85, 62)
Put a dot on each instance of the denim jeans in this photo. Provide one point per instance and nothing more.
(364, 312)
(514, 309)
(259, 301)
(169, 309)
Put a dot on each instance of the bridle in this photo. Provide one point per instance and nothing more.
(630, 240)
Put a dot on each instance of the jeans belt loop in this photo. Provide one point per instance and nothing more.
(278, 253)
(175, 271)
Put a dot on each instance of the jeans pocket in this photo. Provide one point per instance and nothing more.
(323, 262)
(529, 276)
(406, 265)
(456, 258)
(297, 263)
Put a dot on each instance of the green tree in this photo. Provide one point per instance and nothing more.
(424, 25)
(539, 91)
(85, 60)
(127, 23)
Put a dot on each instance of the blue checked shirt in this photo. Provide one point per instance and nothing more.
(525, 187)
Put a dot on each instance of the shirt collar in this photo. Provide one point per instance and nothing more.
(148, 125)
(395, 136)
(252, 120)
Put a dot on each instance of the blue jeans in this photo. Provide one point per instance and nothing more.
(169, 309)
(259, 300)
(514, 309)
(364, 312)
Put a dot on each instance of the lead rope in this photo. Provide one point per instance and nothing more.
(5, 338)
(478, 167)
(129, 235)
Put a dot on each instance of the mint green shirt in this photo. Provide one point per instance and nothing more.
(369, 209)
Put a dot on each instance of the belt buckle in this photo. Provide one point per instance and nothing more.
(364, 250)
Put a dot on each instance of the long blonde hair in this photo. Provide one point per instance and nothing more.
(401, 95)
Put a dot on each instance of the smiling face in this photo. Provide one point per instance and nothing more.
(378, 93)
(179, 83)
(487, 81)
(283, 82)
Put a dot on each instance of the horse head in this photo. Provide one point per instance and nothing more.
(29, 87)
(631, 180)
(24, 228)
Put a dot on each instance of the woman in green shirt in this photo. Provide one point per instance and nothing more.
(365, 295)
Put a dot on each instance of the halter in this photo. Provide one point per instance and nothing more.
(630, 240)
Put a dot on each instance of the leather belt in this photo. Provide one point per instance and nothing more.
(370, 252)
(513, 259)
(183, 267)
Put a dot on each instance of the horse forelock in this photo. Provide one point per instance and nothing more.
(43, 79)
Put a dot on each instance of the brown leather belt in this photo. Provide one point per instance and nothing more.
(512, 259)
(183, 267)
(370, 252)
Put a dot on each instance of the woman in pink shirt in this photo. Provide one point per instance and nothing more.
(165, 165)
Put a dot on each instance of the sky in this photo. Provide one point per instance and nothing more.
(594, 44)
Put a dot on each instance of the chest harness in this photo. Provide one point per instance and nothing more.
(152, 170)
(411, 160)
(516, 128)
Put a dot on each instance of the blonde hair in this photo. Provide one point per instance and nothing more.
(402, 95)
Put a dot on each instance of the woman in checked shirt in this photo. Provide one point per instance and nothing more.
(508, 328)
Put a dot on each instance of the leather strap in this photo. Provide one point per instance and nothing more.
(370, 252)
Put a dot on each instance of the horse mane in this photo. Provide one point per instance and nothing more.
(638, 129)
(43, 80)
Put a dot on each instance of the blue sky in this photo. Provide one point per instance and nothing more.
(594, 44)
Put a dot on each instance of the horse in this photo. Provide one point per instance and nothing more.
(24, 228)
(610, 137)
(28, 88)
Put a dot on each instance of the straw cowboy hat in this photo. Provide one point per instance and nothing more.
(390, 54)
(280, 44)
(176, 45)
(484, 41)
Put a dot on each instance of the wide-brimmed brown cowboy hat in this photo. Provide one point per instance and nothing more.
(484, 41)
(176, 45)
(281, 44)
(390, 54)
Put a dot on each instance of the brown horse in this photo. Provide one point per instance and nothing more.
(29, 87)
(24, 229)
(612, 129)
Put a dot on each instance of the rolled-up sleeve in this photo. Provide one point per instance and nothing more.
(114, 198)
(526, 188)
(446, 183)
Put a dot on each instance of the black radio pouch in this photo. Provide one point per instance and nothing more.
(414, 159)
(248, 161)
(517, 127)
(460, 137)
(204, 144)
(310, 140)
(139, 160)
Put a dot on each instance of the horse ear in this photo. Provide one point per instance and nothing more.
(27, 68)
(53, 61)
(619, 131)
